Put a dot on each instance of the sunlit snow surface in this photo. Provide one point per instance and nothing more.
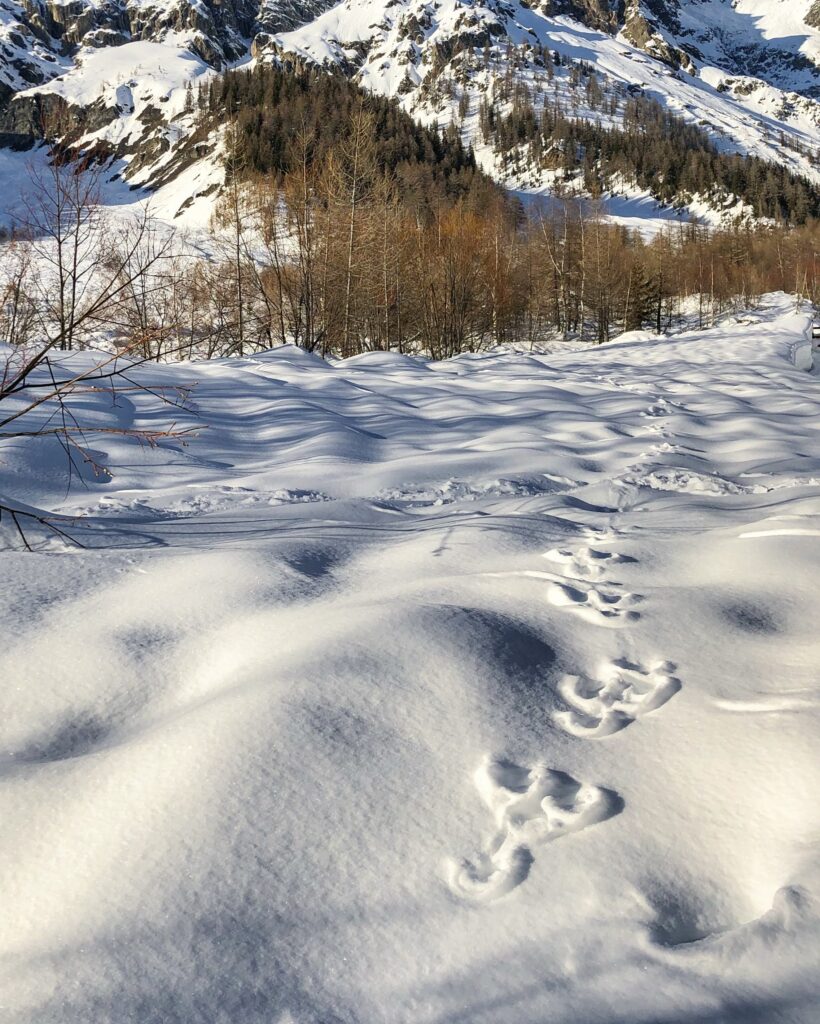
(481, 691)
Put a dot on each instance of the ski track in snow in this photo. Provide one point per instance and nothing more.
(239, 729)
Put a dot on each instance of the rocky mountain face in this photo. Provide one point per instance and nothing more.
(775, 41)
(743, 37)
(770, 40)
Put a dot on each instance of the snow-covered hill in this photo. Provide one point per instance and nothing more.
(423, 693)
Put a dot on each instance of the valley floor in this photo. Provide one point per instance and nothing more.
(480, 691)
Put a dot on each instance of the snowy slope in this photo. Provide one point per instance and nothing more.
(145, 82)
(481, 691)
(777, 39)
(39, 41)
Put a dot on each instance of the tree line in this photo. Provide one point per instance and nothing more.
(331, 253)
(341, 262)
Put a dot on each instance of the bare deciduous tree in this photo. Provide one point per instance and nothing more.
(81, 275)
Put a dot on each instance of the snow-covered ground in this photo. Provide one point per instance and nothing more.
(409, 693)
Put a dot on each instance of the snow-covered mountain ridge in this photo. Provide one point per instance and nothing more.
(40, 41)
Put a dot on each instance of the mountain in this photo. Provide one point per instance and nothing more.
(768, 38)
(92, 48)
(731, 72)
(120, 74)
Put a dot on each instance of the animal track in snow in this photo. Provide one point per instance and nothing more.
(624, 693)
(662, 407)
(601, 606)
(531, 807)
(586, 561)
(687, 481)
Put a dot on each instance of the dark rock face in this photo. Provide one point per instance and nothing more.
(228, 24)
(283, 15)
(65, 26)
(603, 15)
(650, 25)
(21, 122)
(25, 120)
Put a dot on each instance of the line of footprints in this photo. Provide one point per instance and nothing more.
(584, 596)
(537, 805)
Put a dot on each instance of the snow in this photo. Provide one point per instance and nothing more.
(184, 202)
(482, 690)
(137, 83)
(629, 207)
(730, 32)
(128, 76)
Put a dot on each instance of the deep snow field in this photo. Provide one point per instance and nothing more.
(475, 692)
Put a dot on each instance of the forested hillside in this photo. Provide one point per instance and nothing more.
(272, 109)
(379, 233)
(632, 139)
